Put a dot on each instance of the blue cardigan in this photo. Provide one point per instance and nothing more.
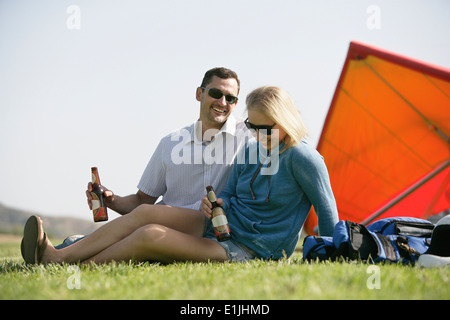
(267, 198)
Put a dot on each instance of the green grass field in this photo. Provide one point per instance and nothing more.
(287, 279)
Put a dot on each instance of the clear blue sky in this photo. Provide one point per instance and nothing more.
(102, 87)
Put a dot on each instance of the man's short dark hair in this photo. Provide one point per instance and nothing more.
(222, 73)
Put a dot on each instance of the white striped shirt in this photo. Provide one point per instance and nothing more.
(183, 165)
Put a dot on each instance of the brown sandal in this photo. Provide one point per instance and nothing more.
(34, 240)
(41, 248)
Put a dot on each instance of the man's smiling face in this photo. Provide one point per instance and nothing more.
(215, 112)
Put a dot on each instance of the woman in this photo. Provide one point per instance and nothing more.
(267, 199)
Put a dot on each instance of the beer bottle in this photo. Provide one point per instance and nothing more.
(218, 217)
(98, 199)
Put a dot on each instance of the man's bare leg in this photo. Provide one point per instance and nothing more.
(159, 243)
(184, 220)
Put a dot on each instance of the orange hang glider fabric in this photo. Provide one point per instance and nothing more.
(386, 138)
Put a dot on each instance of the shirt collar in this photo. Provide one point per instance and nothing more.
(229, 127)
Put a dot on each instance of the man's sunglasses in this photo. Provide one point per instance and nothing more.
(267, 129)
(217, 94)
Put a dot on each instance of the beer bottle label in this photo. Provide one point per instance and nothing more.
(212, 196)
(219, 221)
(100, 213)
(95, 201)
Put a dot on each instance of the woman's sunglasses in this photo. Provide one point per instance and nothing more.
(217, 94)
(267, 129)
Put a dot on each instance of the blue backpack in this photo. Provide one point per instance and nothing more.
(400, 239)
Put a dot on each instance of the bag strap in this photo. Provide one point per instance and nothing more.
(405, 250)
(364, 244)
(388, 250)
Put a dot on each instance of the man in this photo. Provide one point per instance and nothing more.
(188, 160)
(175, 170)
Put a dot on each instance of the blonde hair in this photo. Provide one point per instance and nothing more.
(276, 104)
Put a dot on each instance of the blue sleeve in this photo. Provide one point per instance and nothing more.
(311, 174)
(230, 188)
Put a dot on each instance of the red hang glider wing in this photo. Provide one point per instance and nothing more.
(386, 138)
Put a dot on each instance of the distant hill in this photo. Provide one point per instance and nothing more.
(13, 220)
